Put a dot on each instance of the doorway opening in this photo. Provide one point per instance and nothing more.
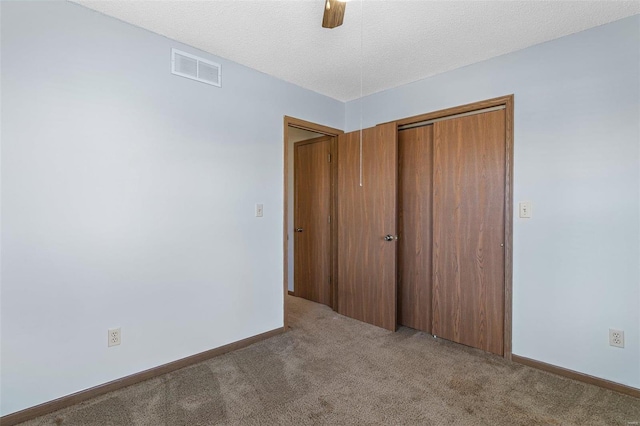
(309, 140)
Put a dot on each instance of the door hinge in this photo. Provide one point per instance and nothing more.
(329, 218)
(329, 157)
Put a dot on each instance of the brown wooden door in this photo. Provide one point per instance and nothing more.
(468, 230)
(366, 262)
(415, 164)
(312, 207)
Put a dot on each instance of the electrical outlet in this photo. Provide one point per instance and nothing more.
(616, 338)
(259, 210)
(113, 336)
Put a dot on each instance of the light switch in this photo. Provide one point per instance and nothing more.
(259, 210)
(525, 209)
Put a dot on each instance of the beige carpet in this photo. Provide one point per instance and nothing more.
(333, 370)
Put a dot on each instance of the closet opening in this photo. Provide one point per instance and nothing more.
(454, 273)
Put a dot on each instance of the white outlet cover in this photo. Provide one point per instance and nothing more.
(113, 337)
(616, 338)
(259, 210)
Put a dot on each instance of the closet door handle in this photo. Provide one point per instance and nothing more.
(390, 237)
(299, 229)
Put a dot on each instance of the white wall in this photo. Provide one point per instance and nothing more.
(295, 135)
(128, 200)
(577, 158)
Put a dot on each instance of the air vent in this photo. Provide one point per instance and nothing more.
(190, 66)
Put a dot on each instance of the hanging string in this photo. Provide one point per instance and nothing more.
(361, 67)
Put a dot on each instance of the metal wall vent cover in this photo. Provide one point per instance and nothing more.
(194, 67)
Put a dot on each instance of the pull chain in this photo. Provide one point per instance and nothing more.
(361, 67)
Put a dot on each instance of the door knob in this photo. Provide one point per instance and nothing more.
(299, 229)
(390, 237)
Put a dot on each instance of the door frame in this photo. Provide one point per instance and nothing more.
(507, 101)
(327, 131)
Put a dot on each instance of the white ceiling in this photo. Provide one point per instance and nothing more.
(393, 42)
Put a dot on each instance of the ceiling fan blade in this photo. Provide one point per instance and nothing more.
(333, 13)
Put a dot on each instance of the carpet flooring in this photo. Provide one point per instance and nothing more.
(332, 370)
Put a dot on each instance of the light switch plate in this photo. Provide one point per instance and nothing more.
(525, 209)
(259, 210)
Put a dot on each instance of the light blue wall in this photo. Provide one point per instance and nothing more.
(577, 158)
(128, 197)
(128, 200)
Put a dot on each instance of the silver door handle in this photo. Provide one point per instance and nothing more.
(299, 229)
(390, 237)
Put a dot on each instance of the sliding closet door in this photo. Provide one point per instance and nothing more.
(415, 162)
(366, 214)
(469, 229)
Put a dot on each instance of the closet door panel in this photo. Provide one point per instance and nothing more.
(366, 262)
(415, 166)
(468, 230)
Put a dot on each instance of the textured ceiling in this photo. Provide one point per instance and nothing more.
(390, 42)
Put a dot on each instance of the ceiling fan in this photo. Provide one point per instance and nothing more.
(333, 13)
